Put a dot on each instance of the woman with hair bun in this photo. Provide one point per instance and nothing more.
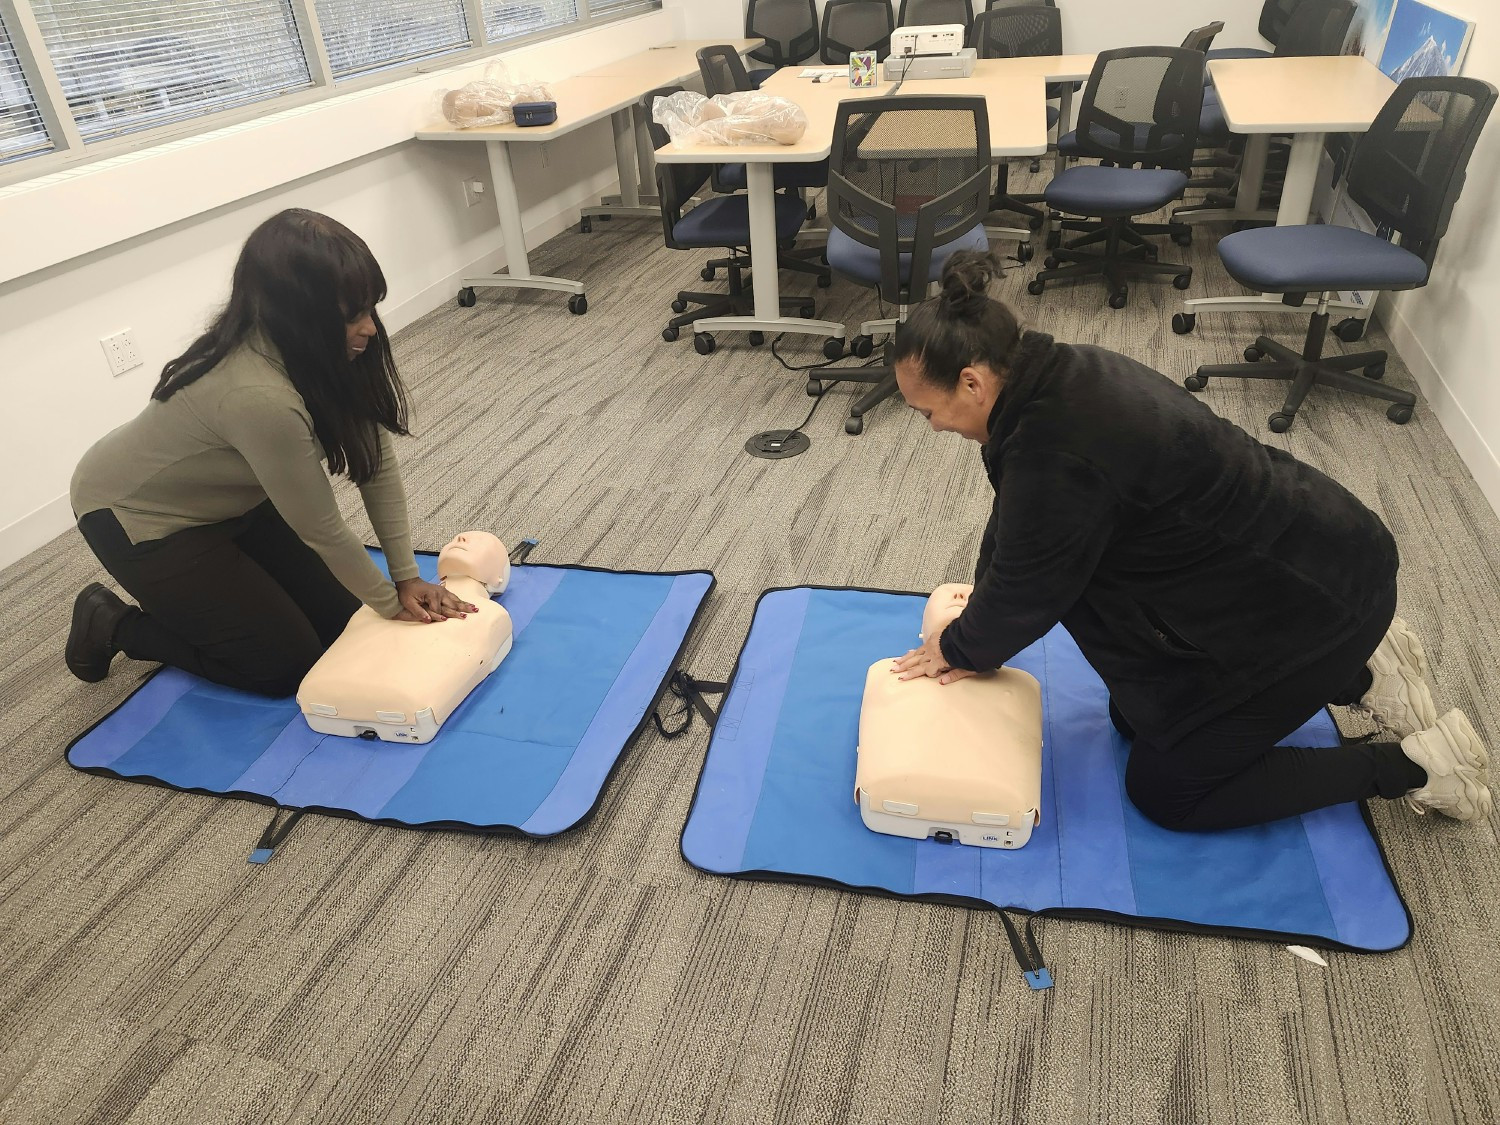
(212, 507)
(1223, 590)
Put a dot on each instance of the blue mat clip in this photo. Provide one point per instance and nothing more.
(521, 550)
(272, 837)
(1038, 979)
(691, 692)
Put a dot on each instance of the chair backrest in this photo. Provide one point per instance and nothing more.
(789, 27)
(1141, 107)
(915, 13)
(909, 174)
(1409, 166)
(995, 5)
(1273, 17)
(723, 70)
(675, 183)
(856, 25)
(1202, 38)
(1317, 27)
(1022, 31)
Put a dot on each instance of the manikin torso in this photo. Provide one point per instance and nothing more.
(400, 680)
(961, 759)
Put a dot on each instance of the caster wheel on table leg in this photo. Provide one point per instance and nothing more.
(757, 339)
(703, 342)
(1183, 323)
(833, 348)
(578, 304)
(466, 298)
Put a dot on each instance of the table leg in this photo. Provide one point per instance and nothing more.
(518, 273)
(1301, 176)
(764, 274)
(628, 204)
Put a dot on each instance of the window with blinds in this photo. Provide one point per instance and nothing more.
(127, 65)
(506, 19)
(366, 35)
(22, 132)
(604, 7)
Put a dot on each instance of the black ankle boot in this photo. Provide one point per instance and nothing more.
(97, 612)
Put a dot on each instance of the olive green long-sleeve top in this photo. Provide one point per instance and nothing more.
(224, 444)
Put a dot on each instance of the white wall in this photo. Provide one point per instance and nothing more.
(147, 241)
(1446, 331)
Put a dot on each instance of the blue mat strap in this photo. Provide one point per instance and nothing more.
(521, 550)
(691, 692)
(276, 832)
(1028, 953)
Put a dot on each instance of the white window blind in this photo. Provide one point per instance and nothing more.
(126, 65)
(506, 19)
(601, 7)
(22, 132)
(366, 35)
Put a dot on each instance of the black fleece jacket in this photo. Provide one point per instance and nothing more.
(1193, 565)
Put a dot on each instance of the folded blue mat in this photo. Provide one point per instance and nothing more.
(530, 749)
(775, 800)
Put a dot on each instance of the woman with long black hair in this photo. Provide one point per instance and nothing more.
(212, 507)
(1223, 590)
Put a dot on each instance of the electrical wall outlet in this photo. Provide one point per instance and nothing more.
(474, 191)
(121, 352)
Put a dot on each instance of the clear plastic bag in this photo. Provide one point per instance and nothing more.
(745, 118)
(488, 100)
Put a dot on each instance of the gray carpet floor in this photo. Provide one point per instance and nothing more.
(375, 974)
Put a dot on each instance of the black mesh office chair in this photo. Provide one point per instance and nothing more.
(855, 25)
(1406, 172)
(722, 221)
(908, 184)
(916, 13)
(1274, 15)
(1018, 31)
(1139, 115)
(789, 28)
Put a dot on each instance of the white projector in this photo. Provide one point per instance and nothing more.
(934, 39)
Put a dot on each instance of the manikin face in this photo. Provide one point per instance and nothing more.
(477, 555)
(943, 605)
(358, 333)
(965, 410)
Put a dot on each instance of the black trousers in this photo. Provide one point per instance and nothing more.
(1229, 772)
(244, 603)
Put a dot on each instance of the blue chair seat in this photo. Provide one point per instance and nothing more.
(1213, 129)
(1238, 53)
(758, 76)
(1053, 113)
(862, 263)
(1312, 259)
(1093, 190)
(733, 177)
(725, 221)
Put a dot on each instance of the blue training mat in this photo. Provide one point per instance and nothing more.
(775, 800)
(530, 749)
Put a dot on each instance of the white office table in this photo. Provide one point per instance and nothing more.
(1308, 98)
(1018, 127)
(607, 91)
(671, 64)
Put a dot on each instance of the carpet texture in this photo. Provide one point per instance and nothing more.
(369, 973)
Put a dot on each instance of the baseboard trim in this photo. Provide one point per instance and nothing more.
(1467, 438)
(35, 530)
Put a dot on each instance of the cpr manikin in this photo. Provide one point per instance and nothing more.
(398, 681)
(959, 761)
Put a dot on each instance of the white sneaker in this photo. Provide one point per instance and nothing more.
(1399, 698)
(1455, 762)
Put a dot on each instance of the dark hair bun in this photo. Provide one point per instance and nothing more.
(966, 279)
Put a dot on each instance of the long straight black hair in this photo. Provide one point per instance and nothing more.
(300, 279)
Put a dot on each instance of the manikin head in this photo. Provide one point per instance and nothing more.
(943, 605)
(477, 555)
